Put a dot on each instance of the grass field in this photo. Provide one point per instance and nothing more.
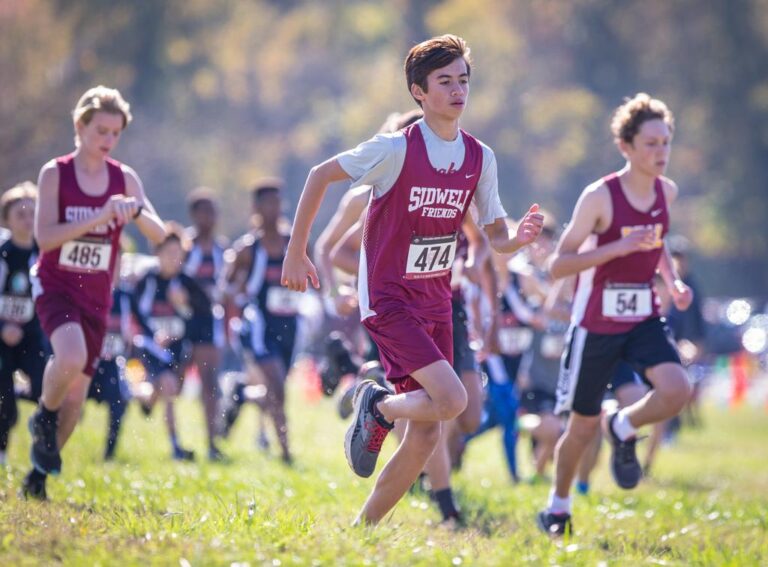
(707, 503)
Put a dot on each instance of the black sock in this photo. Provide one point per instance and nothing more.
(378, 416)
(444, 499)
(36, 475)
(47, 414)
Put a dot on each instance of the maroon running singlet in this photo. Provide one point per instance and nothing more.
(73, 283)
(618, 295)
(409, 245)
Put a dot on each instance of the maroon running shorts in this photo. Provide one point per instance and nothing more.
(55, 310)
(408, 343)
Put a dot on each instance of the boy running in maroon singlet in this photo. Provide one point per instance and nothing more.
(85, 200)
(615, 313)
(423, 180)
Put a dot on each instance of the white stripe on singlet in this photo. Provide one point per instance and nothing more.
(584, 285)
(257, 328)
(519, 306)
(148, 297)
(569, 377)
(363, 299)
(4, 270)
(194, 259)
(258, 272)
(219, 336)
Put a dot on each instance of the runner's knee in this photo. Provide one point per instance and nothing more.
(550, 428)
(452, 404)
(582, 430)
(71, 361)
(676, 390)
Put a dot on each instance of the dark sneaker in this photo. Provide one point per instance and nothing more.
(181, 454)
(262, 441)
(33, 487)
(214, 455)
(345, 406)
(554, 525)
(232, 412)
(454, 522)
(625, 467)
(45, 451)
(362, 443)
(230, 417)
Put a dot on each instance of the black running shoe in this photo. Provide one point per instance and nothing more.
(181, 454)
(625, 467)
(215, 455)
(45, 450)
(33, 486)
(230, 417)
(554, 525)
(454, 522)
(362, 443)
(232, 411)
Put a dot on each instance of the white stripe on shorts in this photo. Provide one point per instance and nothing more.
(569, 377)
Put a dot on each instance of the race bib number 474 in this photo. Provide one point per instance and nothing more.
(430, 256)
(85, 255)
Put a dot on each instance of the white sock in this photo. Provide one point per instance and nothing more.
(559, 505)
(3, 459)
(622, 427)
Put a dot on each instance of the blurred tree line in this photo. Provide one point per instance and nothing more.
(226, 91)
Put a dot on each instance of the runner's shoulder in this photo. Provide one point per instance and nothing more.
(669, 187)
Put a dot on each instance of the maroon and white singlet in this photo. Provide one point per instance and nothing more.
(411, 234)
(409, 245)
(73, 283)
(83, 269)
(616, 296)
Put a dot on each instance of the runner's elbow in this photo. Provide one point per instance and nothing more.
(556, 268)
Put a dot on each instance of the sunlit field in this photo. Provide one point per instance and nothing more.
(706, 504)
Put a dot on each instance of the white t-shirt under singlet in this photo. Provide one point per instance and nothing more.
(379, 161)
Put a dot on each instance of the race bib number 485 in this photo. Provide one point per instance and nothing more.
(628, 303)
(430, 256)
(85, 255)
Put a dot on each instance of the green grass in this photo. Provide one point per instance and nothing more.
(706, 504)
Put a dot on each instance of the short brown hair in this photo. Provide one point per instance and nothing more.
(104, 99)
(434, 54)
(24, 190)
(630, 116)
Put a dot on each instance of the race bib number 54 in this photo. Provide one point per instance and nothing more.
(430, 256)
(627, 302)
(85, 255)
